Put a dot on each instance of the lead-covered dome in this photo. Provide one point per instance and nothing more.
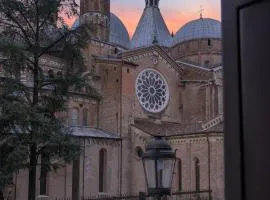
(118, 32)
(199, 29)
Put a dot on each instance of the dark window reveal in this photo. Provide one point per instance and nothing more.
(102, 169)
(209, 42)
(197, 173)
(180, 174)
(85, 117)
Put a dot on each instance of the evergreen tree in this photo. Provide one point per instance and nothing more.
(33, 99)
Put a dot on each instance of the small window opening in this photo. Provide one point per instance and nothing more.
(180, 175)
(209, 42)
(206, 62)
(59, 74)
(102, 169)
(50, 73)
(74, 117)
(85, 117)
(139, 152)
(197, 174)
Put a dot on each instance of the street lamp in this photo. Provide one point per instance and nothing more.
(158, 162)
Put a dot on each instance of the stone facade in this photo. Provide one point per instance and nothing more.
(192, 121)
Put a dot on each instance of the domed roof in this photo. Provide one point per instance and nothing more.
(197, 29)
(118, 32)
(151, 27)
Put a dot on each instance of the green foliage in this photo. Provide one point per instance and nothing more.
(30, 124)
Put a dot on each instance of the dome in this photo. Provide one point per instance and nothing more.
(198, 29)
(151, 27)
(118, 32)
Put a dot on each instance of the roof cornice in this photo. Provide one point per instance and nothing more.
(155, 50)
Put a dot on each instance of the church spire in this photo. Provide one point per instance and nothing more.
(151, 3)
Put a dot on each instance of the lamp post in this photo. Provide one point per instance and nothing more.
(158, 162)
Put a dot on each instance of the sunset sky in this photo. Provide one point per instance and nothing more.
(175, 12)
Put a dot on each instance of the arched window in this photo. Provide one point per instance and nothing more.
(139, 152)
(50, 73)
(102, 169)
(209, 42)
(197, 173)
(180, 184)
(85, 121)
(59, 74)
(74, 117)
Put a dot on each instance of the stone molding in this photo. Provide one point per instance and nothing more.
(196, 139)
(140, 135)
(95, 18)
(102, 142)
(212, 123)
(105, 45)
(78, 99)
(51, 62)
(150, 52)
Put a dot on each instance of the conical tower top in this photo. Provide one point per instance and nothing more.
(151, 3)
(151, 24)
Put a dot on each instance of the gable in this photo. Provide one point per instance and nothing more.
(154, 53)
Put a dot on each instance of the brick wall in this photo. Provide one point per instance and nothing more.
(199, 51)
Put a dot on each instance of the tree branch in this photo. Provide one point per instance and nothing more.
(27, 21)
(56, 42)
(49, 14)
(20, 27)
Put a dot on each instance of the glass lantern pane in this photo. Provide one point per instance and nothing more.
(150, 173)
(164, 170)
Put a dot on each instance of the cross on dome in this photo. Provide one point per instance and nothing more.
(201, 11)
(151, 3)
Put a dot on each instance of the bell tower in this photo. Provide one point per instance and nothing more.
(96, 15)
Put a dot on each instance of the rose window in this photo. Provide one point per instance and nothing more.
(152, 90)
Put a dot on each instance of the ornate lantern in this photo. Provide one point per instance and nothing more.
(158, 162)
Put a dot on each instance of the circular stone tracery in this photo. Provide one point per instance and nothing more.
(152, 90)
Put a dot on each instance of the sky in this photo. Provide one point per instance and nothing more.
(175, 12)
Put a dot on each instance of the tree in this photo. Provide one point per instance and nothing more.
(32, 97)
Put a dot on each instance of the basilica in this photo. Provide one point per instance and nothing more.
(153, 84)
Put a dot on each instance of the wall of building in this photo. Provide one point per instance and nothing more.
(193, 103)
(109, 113)
(81, 104)
(205, 52)
(209, 151)
(171, 113)
(217, 167)
(60, 182)
(89, 168)
(139, 141)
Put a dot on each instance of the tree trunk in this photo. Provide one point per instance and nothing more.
(33, 149)
(32, 174)
(1, 195)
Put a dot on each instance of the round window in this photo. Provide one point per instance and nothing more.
(139, 152)
(152, 90)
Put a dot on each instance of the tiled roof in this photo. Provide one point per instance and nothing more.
(93, 133)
